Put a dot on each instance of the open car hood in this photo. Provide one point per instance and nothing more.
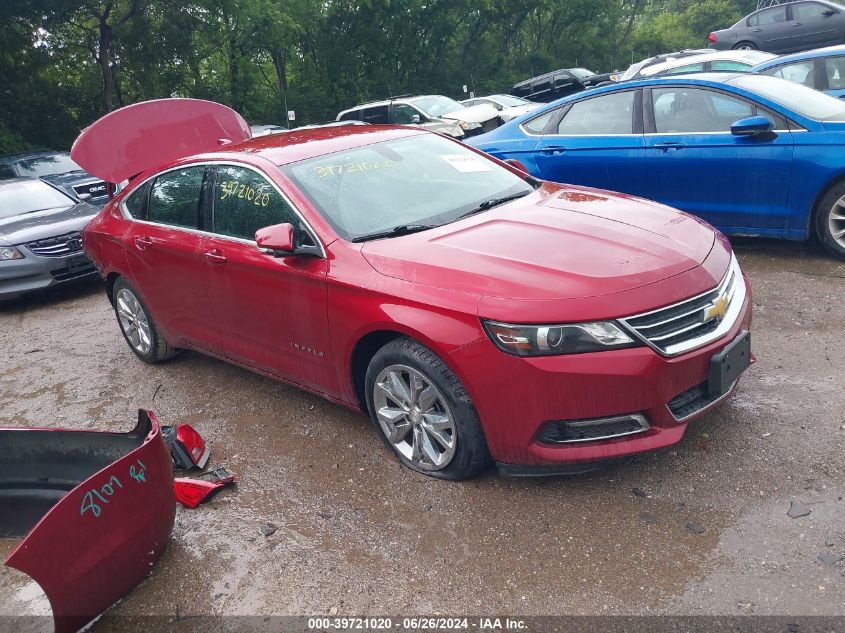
(137, 137)
(102, 506)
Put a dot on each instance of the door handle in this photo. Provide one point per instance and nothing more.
(797, 24)
(553, 150)
(143, 242)
(669, 147)
(215, 256)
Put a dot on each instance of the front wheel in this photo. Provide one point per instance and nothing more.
(423, 412)
(745, 46)
(138, 327)
(830, 220)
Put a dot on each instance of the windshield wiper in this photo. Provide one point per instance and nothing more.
(402, 229)
(493, 202)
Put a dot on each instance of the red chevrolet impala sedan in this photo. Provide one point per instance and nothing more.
(472, 311)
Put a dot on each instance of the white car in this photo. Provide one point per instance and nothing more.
(434, 112)
(731, 61)
(509, 107)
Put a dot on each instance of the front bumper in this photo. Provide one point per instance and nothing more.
(36, 272)
(515, 397)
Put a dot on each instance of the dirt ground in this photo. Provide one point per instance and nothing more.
(700, 528)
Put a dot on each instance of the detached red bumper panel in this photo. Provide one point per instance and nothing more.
(102, 507)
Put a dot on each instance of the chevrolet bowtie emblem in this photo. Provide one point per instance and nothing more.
(717, 310)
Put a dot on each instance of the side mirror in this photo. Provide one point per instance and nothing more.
(415, 119)
(752, 126)
(828, 12)
(277, 238)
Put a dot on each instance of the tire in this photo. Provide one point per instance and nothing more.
(745, 46)
(436, 430)
(137, 326)
(830, 220)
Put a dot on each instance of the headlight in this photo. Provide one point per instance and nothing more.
(9, 252)
(549, 340)
(466, 127)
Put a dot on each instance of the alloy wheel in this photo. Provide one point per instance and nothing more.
(836, 222)
(133, 321)
(414, 417)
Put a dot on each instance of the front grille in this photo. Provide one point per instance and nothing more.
(58, 246)
(693, 322)
(694, 400)
(570, 431)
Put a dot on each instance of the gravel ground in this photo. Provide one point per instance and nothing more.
(700, 528)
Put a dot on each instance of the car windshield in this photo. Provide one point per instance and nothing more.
(797, 97)
(28, 196)
(47, 165)
(437, 106)
(581, 73)
(417, 181)
(509, 102)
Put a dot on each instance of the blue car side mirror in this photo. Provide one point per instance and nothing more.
(752, 126)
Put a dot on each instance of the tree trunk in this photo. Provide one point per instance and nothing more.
(106, 37)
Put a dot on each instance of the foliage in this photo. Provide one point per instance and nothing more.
(64, 63)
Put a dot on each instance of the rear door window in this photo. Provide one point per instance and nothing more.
(767, 17)
(607, 114)
(245, 201)
(175, 198)
(377, 114)
(728, 65)
(689, 68)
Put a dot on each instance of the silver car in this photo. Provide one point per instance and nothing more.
(40, 240)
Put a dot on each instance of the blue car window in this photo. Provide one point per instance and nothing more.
(685, 110)
(538, 125)
(799, 72)
(835, 68)
(608, 114)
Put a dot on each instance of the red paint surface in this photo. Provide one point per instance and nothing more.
(143, 135)
(85, 563)
(561, 254)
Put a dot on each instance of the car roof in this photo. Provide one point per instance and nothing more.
(29, 155)
(11, 182)
(828, 51)
(738, 55)
(297, 145)
(383, 102)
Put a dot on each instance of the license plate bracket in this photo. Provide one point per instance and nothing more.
(78, 263)
(728, 365)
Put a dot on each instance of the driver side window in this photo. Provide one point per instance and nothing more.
(244, 201)
(403, 114)
(695, 111)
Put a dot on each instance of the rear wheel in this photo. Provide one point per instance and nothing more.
(423, 412)
(138, 327)
(745, 46)
(830, 220)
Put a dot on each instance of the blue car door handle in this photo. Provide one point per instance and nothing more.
(669, 147)
(553, 149)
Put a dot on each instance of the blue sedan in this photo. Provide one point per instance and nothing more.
(822, 69)
(751, 154)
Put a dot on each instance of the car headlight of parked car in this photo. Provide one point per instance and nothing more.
(466, 126)
(9, 252)
(550, 340)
